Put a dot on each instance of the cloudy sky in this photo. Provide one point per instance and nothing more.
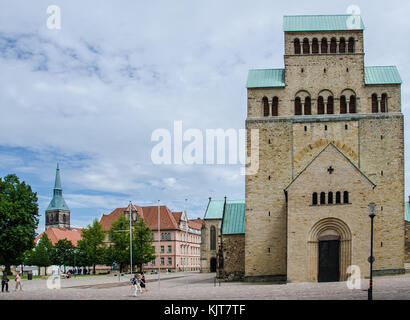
(90, 95)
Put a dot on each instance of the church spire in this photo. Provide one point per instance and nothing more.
(57, 203)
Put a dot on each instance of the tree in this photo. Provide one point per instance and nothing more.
(18, 220)
(92, 243)
(41, 255)
(120, 239)
(143, 251)
(62, 253)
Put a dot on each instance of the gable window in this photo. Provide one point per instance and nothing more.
(330, 105)
(352, 104)
(350, 45)
(213, 238)
(323, 46)
(383, 103)
(375, 103)
(297, 46)
(320, 106)
(298, 107)
(346, 197)
(333, 45)
(338, 197)
(275, 106)
(343, 105)
(342, 45)
(330, 198)
(306, 46)
(315, 45)
(308, 106)
(265, 107)
(322, 198)
(314, 198)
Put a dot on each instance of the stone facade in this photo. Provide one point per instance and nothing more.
(233, 253)
(280, 227)
(208, 254)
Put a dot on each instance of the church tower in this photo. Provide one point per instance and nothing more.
(331, 141)
(57, 213)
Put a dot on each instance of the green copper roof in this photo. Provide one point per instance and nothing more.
(57, 203)
(234, 218)
(382, 75)
(265, 78)
(216, 207)
(322, 23)
(407, 211)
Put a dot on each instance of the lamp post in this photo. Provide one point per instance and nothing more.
(372, 207)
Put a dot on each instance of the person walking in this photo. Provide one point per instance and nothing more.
(134, 283)
(5, 282)
(142, 280)
(18, 282)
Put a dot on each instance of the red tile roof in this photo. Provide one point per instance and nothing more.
(150, 215)
(177, 216)
(55, 234)
(195, 224)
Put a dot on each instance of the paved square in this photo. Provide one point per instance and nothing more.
(201, 286)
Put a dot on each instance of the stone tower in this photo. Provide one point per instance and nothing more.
(57, 213)
(330, 141)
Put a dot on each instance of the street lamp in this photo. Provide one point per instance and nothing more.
(372, 208)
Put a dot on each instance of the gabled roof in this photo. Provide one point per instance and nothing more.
(150, 215)
(216, 207)
(266, 78)
(381, 75)
(196, 223)
(342, 153)
(234, 218)
(322, 22)
(55, 234)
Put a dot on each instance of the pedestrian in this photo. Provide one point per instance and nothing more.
(143, 285)
(18, 282)
(5, 282)
(134, 283)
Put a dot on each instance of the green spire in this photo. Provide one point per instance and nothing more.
(57, 203)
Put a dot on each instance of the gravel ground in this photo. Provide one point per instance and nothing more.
(197, 286)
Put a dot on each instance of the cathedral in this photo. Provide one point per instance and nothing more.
(331, 142)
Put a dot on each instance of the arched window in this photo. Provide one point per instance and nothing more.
(315, 45)
(308, 106)
(352, 104)
(56, 217)
(265, 107)
(298, 107)
(323, 46)
(383, 103)
(345, 197)
(296, 43)
(350, 45)
(330, 197)
(330, 105)
(320, 106)
(333, 45)
(322, 198)
(375, 103)
(338, 197)
(314, 198)
(213, 238)
(343, 105)
(306, 46)
(275, 106)
(342, 45)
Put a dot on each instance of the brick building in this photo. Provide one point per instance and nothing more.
(330, 142)
(180, 238)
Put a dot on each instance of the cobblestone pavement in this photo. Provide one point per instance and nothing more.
(197, 286)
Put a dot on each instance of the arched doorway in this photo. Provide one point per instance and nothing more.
(329, 258)
(329, 250)
(213, 265)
